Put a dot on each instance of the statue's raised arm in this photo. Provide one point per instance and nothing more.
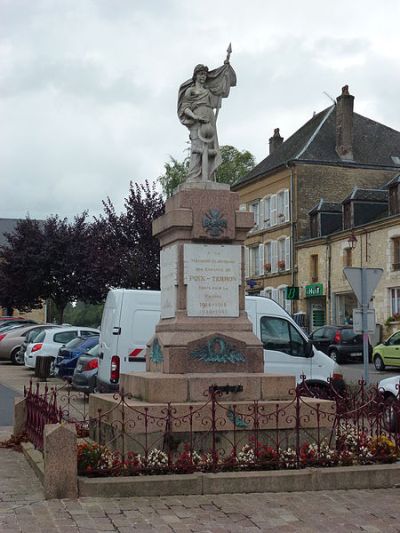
(197, 100)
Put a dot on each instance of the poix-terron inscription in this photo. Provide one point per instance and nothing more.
(212, 277)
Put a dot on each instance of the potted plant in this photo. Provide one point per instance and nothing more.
(267, 267)
(281, 264)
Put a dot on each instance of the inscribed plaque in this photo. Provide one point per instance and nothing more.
(168, 280)
(212, 277)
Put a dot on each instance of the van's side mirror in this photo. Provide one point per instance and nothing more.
(309, 352)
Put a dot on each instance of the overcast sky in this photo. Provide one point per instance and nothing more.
(88, 88)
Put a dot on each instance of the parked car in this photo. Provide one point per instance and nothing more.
(85, 373)
(12, 340)
(10, 324)
(339, 342)
(391, 391)
(69, 354)
(48, 342)
(387, 353)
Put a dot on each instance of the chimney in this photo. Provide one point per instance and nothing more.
(275, 141)
(344, 125)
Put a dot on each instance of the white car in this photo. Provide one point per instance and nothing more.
(49, 341)
(391, 392)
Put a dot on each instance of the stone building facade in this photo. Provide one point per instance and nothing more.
(335, 151)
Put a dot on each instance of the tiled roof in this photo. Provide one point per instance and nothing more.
(373, 145)
(367, 195)
(326, 207)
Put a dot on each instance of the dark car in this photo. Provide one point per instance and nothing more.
(339, 342)
(69, 354)
(85, 373)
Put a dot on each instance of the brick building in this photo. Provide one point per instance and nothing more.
(335, 151)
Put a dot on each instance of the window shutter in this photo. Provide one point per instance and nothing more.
(261, 259)
(246, 261)
(274, 256)
(242, 207)
(273, 210)
(275, 295)
(261, 214)
(286, 211)
(287, 253)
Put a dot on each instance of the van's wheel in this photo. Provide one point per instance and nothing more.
(337, 357)
(314, 390)
(15, 358)
(379, 364)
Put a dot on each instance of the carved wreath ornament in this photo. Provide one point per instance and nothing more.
(217, 350)
(213, 223)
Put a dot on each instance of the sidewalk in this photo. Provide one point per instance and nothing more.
(22, 508)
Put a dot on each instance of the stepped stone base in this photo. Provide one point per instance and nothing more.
(155, 387)
(196, 417)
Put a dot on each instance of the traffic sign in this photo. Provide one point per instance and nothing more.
(363, 281)
(357, 321)
(354, 276)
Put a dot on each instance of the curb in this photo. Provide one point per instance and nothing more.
(308, 479)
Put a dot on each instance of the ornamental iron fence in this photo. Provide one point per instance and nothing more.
(359, 425)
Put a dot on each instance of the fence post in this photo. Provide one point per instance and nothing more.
(19, 416)
(60, 461)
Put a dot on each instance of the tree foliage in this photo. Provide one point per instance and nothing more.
(235, 164)
(129, 252)
(80, 260)
(44, 260)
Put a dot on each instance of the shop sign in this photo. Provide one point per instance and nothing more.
(315, 289)
(292, 293)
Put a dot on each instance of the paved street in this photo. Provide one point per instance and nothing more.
(23, 509)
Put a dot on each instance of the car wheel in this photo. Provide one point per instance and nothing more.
(337, 357)
(17, 359)
(391, 414)
(379, 364)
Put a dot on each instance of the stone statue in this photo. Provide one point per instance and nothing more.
(197, 99)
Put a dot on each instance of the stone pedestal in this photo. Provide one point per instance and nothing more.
(204, 327)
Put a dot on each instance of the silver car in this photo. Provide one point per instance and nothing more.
(12, 340)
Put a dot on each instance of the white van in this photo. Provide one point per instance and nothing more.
(130, 317)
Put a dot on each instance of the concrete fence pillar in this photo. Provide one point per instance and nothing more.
(19, 416)
(60, 461)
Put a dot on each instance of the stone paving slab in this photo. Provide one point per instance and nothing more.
(23, 509)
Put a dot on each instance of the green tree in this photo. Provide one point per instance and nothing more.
(235, 164)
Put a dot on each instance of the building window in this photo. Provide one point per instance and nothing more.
(254, 207)
(283, 249)
(267, 212)
(267, 257)
(347, 257)
(395, 301)
(396, 253)
(282, 206)
(314, 268)
(254, 260)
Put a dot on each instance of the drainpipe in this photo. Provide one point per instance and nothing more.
(328, 283)
(292, 225)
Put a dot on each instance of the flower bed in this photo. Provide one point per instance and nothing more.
(352, 448)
